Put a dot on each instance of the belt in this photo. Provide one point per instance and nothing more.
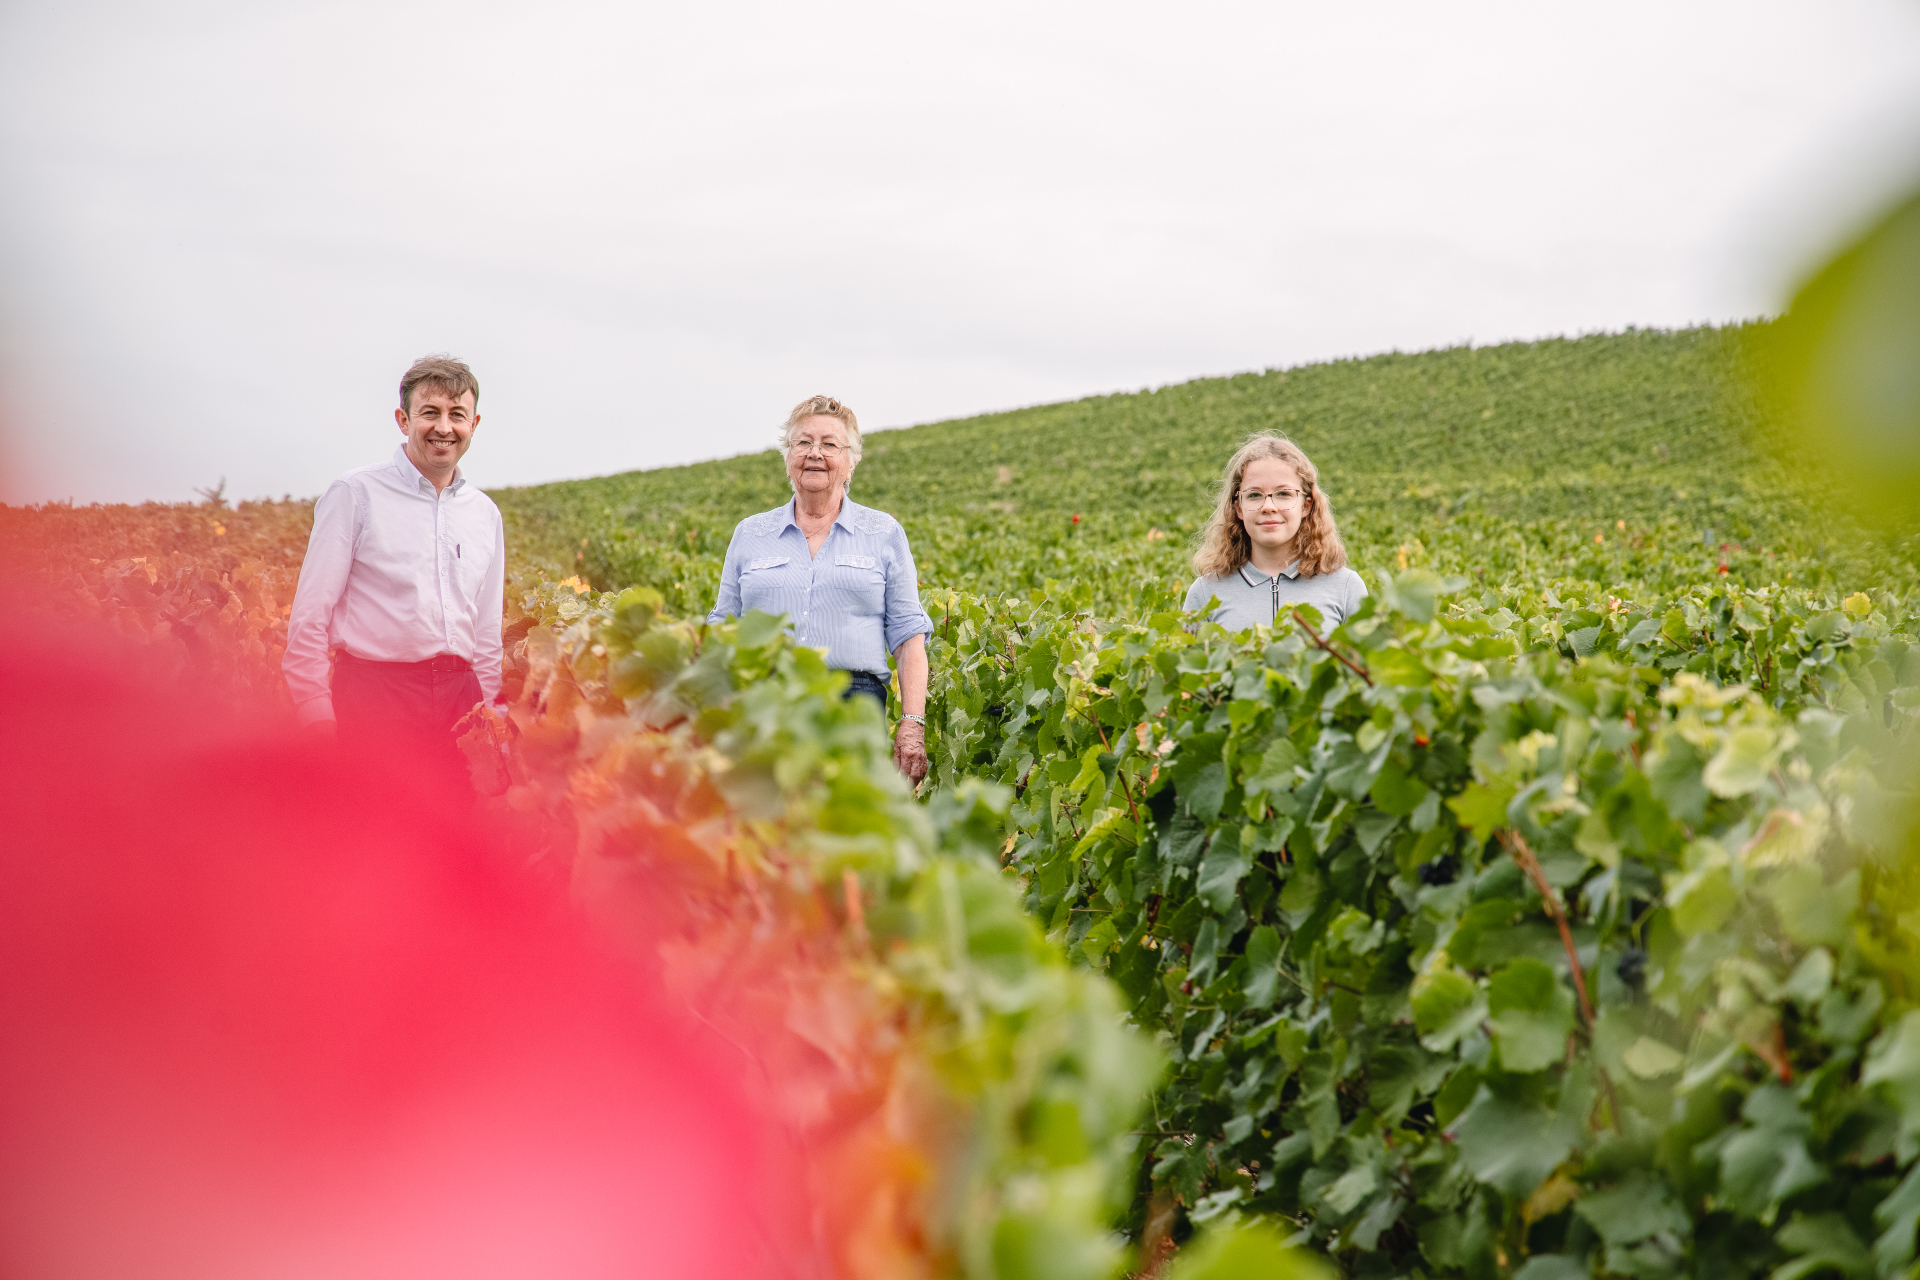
(439, 663)
(867, 682)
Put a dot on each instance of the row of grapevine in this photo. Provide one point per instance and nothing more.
(1481, 943)
(201, 587)
(965, 1099)
(1123, 572)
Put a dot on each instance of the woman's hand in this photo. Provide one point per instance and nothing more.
(910, 750)
(910, 739)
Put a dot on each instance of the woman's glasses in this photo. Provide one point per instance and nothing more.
(827, 449)
(1256, 499)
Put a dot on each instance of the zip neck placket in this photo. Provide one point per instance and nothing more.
(1273, 590)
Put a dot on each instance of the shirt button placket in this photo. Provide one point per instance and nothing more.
(806, 608)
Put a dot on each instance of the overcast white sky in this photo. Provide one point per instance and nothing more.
(226, 228)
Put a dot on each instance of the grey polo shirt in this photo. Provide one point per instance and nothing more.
(1249, 596)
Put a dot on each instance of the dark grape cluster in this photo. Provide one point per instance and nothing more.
(1632, 968)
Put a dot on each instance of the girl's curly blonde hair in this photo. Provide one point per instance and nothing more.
(1223, 546)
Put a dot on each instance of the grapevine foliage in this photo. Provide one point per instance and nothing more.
(1485, 944)
(966, 1097)
(200, 587)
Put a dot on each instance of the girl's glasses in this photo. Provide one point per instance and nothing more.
(1258, 498)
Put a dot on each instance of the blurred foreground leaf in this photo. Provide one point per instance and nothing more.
(1248, 1252)
(1847, 357)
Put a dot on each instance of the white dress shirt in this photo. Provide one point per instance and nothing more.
(396, 572)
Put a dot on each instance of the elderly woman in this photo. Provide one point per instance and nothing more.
(841, 571)
(1270, 542)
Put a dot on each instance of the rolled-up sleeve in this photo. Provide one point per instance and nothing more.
(323, 580)
(905, 618)
(727, 605)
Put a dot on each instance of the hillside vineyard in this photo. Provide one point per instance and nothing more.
(1622, 461)
(1515, 929)
(1542, 921)
(1555, 916)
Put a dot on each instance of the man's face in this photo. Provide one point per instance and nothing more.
(439, 429)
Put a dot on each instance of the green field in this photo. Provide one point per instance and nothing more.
(1502, 463)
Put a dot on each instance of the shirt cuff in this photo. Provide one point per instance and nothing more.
(313, 710)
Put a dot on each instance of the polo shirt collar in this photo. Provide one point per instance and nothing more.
(1254, 578)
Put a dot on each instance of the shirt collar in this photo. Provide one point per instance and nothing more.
(406, 468)
(1254, 578)
(792, 513)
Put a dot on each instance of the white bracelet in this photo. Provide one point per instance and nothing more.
(919, 720)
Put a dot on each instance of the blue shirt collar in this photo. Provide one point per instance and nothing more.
(792, 513)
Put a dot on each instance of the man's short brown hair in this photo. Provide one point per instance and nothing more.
(450, 375)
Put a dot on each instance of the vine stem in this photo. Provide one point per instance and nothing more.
(856, 912)
(1524, 856)
(1320, 642)
(1132, 810)
(1156, 1235)
(1517, 848)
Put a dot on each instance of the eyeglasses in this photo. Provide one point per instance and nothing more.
(1258, 498)
(827, 449)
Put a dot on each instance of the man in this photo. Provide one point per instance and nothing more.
(403, 584)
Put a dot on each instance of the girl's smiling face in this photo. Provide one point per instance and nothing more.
(1272, 522)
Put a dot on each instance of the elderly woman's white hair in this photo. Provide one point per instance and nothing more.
(824, 407)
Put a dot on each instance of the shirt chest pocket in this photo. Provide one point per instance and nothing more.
(470, 555)
(760, 579)
(861, 582)
(469, 570)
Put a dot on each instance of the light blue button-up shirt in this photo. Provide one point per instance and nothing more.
(859, 598)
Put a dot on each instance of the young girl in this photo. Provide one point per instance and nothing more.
(1270, 542)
